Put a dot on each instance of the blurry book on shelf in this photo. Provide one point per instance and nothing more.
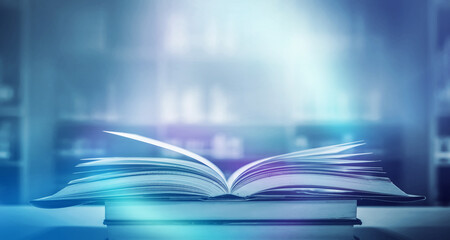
(9, 139)
(7, 93)
(309, 188)
(227, 145)
(10, 161)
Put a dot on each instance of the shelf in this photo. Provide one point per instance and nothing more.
(442, 164)
(10, 111)
(7, 163)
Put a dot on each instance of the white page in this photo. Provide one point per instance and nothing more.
(174, 149)
(114, 175)
(304, 153)
(148, 161)
(184, 181)
(320, 180)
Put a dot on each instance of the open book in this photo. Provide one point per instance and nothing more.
(331, 172)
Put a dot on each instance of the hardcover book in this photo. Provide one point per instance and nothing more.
(308, 188)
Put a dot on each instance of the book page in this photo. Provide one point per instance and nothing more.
(108, 165)
(304, 153)
(174, 149)
(181, 183)
(367, 184)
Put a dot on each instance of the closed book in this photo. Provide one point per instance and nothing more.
(231, 219)
(230, 210)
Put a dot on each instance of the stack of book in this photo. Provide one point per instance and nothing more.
(306, 194)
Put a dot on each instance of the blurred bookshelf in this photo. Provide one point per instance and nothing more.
(10, 160)
(230, 146)
(150, 68)
(10, 104)
(439, 49)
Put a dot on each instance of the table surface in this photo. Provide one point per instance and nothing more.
(86, 222)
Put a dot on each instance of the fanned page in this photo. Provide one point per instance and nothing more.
(320, 172)
(172, 148)
(304, 153)
(138, 177)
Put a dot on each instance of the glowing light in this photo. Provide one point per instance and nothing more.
(177, 35)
